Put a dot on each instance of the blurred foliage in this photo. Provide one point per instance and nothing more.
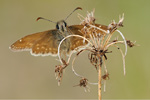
(25, 76)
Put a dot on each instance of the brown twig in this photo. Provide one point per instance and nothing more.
(99, 82)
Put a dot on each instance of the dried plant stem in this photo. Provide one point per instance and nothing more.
(99, 82)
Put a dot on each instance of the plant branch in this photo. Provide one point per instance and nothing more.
(99, 81)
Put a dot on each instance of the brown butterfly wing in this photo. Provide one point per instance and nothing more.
(38, 43)
(103, 27)
(77, 41)
(27, 42)
(75, 29)
(47, 45)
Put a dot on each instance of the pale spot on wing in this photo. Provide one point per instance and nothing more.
(42, 47)
(30, 44)
(20, 40)
(37, 44)
(50, 49)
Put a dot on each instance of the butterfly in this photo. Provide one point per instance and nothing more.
(46, 43)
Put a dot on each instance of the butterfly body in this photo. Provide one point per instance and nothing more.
(63, 31)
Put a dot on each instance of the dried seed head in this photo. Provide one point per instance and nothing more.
(106, 76)
(114, 26)
(59, 73)
(130, 43)
(88, 20)
(84, 83)
(99, 37)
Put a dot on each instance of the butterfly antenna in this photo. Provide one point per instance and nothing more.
(72, 12)
(44, 19)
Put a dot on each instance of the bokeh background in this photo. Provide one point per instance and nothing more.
(23, 76)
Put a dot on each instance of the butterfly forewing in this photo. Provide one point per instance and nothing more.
(75, 29)
(103, 28)
(47, 45)
(26, 42)
(40, 43)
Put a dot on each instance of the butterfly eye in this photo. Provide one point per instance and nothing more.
(65, 24)
(57, 27)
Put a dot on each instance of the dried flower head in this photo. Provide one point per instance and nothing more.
(84, 83)
(131, 44)
(105, 76)
(59, 71)
(88, 20)
(99, 39)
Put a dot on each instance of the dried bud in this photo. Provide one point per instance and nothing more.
(130, 43)
(84, 83)
(114, 26)
(59, 73)
(106, 76)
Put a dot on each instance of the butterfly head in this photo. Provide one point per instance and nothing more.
(61, 26)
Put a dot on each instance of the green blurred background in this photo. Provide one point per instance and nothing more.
(23, 76)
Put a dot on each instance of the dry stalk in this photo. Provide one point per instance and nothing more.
(99, 82)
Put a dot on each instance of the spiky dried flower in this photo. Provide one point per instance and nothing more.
(84, 83)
